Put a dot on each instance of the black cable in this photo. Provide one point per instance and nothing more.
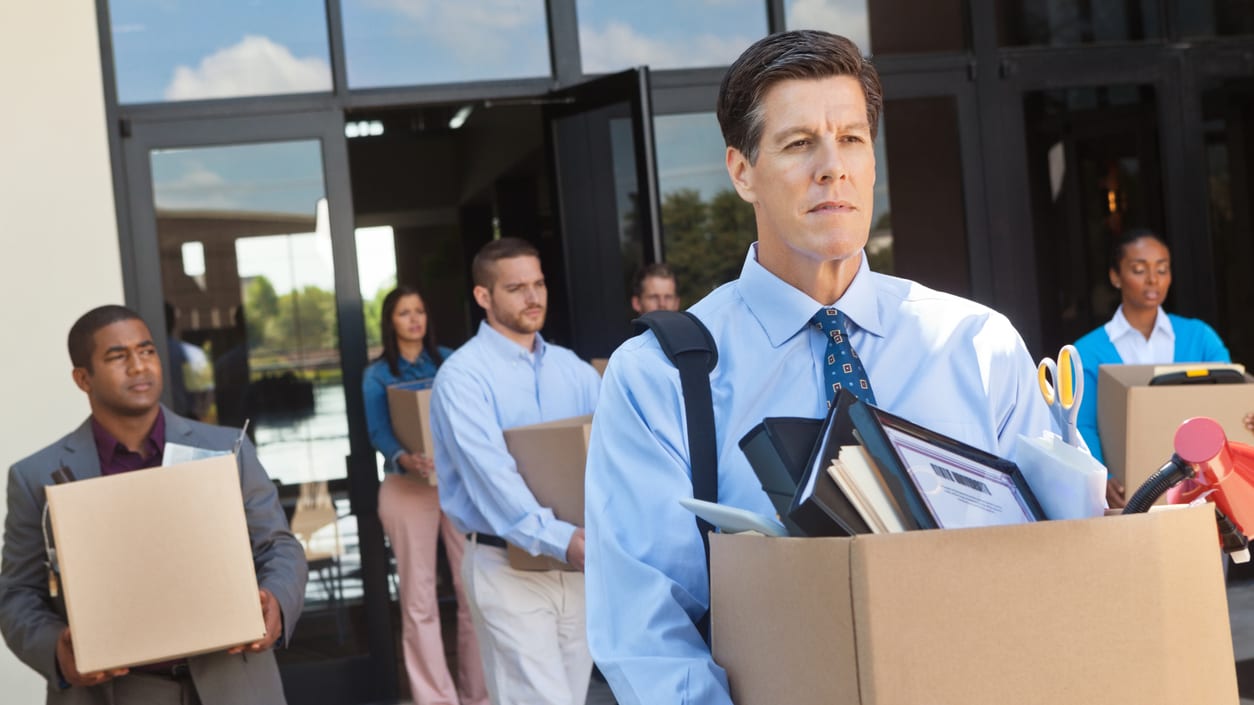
(1169, 475)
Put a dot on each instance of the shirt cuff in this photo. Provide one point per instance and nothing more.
(557, 540)
(395, 464)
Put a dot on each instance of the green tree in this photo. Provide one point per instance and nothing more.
(261, 306)
(373, 314)
(705, 242)
(305, 321)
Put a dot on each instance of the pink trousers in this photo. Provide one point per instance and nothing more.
(411, 516)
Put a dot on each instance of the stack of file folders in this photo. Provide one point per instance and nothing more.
(862, 470)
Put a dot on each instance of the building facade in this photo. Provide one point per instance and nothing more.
(256, 175)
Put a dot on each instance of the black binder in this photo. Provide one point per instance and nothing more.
(777, 450)
(819, 507)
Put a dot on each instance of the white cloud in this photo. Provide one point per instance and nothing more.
(478, 32)
(196, 188)
(255, 66)
(845, 17)
(619, 46)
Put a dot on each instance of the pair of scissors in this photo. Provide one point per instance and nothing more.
(1062, 385)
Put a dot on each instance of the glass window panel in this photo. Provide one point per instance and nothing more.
(885, 26)
(1070, 22)
(259, 328)
(172, 50)
(1211, 18)
(1228, 109)
(1094, 171)
(706, 227)
(262, 313)
(416, 42)
(664, 34)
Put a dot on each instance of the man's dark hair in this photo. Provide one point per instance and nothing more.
(391, 349)
(495, 251)
(1128, 237)
(661, 270)
(82, 336)
(799, 54)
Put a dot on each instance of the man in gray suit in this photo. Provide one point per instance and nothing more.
(116, 365)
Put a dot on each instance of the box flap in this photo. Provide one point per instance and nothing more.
(1126, 609)
(808, 641)
(156, 563)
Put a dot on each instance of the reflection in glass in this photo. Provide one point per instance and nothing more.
(398, 43)
(666, 35)
(706, 226)
(1228, 109)
(885, 26)
(626, 187)
(1210, 18)
(1093, 162)
(184, 50)
(1069, 22)
(262, 309)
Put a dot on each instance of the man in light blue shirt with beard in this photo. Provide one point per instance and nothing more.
(530, 624)
(799, 112)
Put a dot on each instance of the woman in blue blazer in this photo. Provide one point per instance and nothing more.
(1140, 332)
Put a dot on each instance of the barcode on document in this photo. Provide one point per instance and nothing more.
(960, 479)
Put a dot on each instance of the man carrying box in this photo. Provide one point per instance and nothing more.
(799, 113)
(530, 624)
(116, 365)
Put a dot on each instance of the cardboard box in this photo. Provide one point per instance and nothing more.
(1138, 423)
(1127, 609)
(551, 458)
(409, 405)
(156, 564)
(599, 363)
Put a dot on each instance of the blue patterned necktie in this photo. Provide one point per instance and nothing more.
(842, 368)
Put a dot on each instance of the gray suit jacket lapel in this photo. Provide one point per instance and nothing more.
(177, 430)
(78, 453)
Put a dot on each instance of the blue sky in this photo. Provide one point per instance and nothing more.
(180, 49)
(152, 39)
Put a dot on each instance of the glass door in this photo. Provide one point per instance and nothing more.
(600, 135)
(243, 246)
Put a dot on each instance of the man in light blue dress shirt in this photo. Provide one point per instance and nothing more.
(530, 624)
(799, 113)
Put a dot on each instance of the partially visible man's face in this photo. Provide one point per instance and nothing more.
(813, 185)
(518, 298)
(656, 294)
(125, 374)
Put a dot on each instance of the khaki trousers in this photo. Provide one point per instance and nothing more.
(531, 630)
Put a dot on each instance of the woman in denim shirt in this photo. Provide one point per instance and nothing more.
(409, 509)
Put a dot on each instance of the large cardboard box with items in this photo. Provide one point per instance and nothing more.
(156, 564)
(409, 406)
(1138, 422)
(1127, 609)
(551, 458)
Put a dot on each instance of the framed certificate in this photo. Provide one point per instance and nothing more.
(939, 482)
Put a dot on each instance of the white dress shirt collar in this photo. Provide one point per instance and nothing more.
(783, 310)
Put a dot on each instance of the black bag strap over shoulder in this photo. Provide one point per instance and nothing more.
(690, 347)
